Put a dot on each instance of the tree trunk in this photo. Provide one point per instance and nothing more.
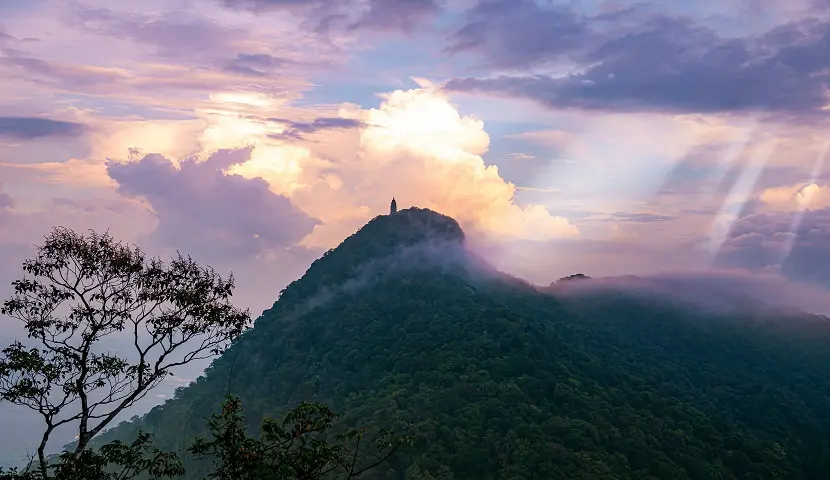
(41, 453)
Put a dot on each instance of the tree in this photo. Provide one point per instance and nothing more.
(82, 289)
(295, 448)
(116, 460)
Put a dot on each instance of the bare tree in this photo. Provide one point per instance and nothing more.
(82, 289)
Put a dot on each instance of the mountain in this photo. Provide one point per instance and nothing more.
(401, 327)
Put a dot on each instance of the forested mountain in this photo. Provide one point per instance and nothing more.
(400, 327)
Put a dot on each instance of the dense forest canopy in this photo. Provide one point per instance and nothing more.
(495, 379)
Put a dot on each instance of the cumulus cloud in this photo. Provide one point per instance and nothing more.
(610, 66)
(343, 168)
(33, 128)
(417, 147)
(203, 209)
(796, 244)
(797, 197)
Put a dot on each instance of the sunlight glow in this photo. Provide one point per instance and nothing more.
(741, 192)
(805, 197)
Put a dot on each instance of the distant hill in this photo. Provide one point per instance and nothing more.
(401, 327)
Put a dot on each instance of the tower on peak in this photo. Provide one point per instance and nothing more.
(393, 207)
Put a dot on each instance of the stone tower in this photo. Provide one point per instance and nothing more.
(393, 207)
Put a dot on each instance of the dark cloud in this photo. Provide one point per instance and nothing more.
(657, 64)
(764, 241)
(297, 130)
(325, 15)
(204, 210)
(521, 33)
(397, 15)
(31, 128)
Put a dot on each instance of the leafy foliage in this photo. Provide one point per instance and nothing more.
(295, 448)
(116, 460)
(292, 449)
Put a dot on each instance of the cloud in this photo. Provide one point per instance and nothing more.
(204, 210)
(612, 67)
(417, 147)
(256, 64)
(296, 130)
(721, 290)
(397, 15)
(325, 15)
(797, 197)
(639, 217)
(520, 33)
(172, 33)
(32, 128)
(796, 244)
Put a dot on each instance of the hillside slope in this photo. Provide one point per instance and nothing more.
(400, 327)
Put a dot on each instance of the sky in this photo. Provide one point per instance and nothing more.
(602, 137)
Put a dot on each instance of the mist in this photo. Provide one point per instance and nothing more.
(720, 291)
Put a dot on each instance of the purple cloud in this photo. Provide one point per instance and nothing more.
(174, 34)
(202, 209)
(296, 130)
(397, 15)
(256, 64)
(764, 241)
(656, 63)
(521, 33)
(31, 128)
(54, 74)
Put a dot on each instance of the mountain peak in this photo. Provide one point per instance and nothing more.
(408, 237)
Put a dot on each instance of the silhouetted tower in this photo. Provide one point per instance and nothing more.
(393, 207)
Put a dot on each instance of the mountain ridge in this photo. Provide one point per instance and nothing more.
(500, 379)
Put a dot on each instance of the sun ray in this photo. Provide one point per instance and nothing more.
(803, 206)
(740, 193)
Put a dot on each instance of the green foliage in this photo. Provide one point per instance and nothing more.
(295, 448)
(116, 460)
(495, 380)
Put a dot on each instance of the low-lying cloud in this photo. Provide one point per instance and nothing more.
(718, 290)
